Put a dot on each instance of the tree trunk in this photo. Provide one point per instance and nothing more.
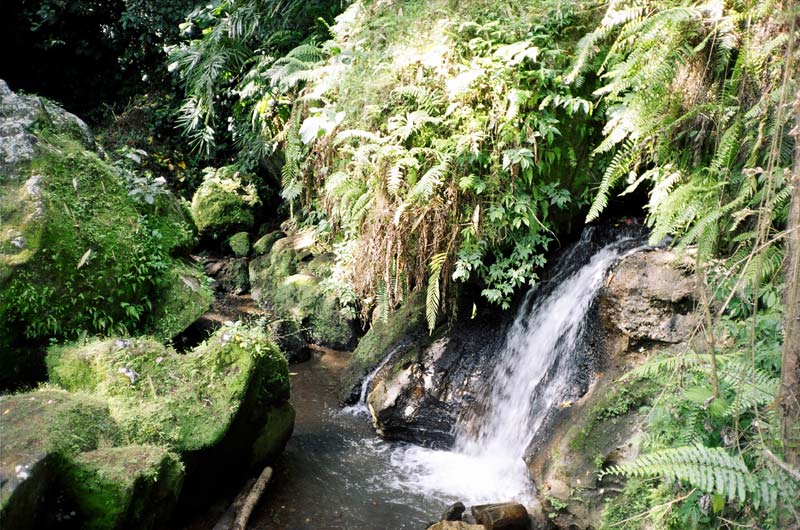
(789, 397)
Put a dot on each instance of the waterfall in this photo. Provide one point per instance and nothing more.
(535, 374)
(360, 407)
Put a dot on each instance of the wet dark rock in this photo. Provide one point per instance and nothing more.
(418, 397)
(420, 394)
(502, 516)
(650, 296)
(454, 512)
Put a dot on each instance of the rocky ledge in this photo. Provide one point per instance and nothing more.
(125, 422)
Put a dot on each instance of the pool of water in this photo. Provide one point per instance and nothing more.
(335, 472)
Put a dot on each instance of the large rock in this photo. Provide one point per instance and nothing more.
(42, 430)
(188, 402)
(134, 486)
(650, 297)
(646, 308)
(223, 204)
(134, 414)
(288, 281)
(70, 231)
(18, 115)
(419, 395)
(60, 442)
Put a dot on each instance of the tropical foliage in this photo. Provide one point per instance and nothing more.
(429, 143)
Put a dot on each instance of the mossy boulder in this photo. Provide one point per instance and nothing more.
(233, 276)
(240, 244)
(78, 252)
(185, 298)
(43, 431)
(57, 442)
(223, 203)
(132, 413)
(134, 486)
(289, 281)
(183, 401)
(263, 245)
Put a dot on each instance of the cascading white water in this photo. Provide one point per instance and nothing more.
(360, 407)
(534, 374)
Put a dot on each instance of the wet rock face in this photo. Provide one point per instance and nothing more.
(647, 307)
(419, 397)
(648, 297)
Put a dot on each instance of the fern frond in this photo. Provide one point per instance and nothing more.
(620, 166)
(710, 469)
(433, 292)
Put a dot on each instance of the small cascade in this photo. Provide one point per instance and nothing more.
(536, 372)
(360, 407)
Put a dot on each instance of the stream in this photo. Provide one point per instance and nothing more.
(335, 472)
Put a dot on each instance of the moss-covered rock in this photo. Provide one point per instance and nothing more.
(41, 431)
(62, 442)
(407, 322)
(240, 244)
(186, 402)
(134, 486)
(186, 296)
(274, 434)
(288, 280)
(233, 276)
(263, 245)
(223, 203)
(77, 251)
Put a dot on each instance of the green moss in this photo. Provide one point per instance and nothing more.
(185, 296)
(39, 430)
(240, 244)
(264, 244)
(274, 435)
(289, 281)
(300, 299)
(124, 487)
(407, 321)
(616, 404)
(158, 396)
(100, 257)
(53, 421)
(222, 204)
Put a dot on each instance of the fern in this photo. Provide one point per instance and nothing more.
(712, 470)
(620, 166)
(434, 289)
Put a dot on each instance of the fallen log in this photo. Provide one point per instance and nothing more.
(251, 500)
(227, 519)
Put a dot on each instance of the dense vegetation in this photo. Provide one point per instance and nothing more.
(432, 145)
(496, 125)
